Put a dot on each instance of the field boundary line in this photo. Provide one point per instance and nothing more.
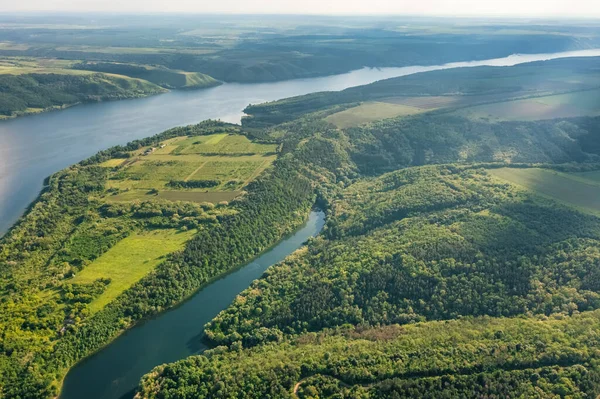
(255, 173)
(195, 171)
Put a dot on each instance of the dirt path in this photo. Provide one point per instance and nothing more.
(194, 172)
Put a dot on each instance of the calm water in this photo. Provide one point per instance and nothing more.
(115, 371)
(33, 147)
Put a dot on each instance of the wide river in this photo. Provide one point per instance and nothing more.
(33, 147)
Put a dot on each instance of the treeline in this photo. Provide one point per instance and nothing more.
(18, 93)
(469, 358)
(204, 128)
(182, 184)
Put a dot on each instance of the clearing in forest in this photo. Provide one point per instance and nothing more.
(129, 260)
(573, 189)
(370, 112)
(582, 103)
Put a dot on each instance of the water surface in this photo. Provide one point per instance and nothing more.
(33, 147)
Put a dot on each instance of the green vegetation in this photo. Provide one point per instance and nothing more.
(79, 269)
(35, 92)
(432, 273)
(164, 77)
(370, 112)
(459, 88)
(541, 358)
(428, 281)
(583, 103)
(571, 189)
(220, 163)
(424, 244)
(129, 260)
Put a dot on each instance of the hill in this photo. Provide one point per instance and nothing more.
(37, 92)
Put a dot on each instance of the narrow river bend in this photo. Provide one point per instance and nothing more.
(115, 371)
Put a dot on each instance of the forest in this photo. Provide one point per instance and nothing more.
(32, 92)
(432, 272)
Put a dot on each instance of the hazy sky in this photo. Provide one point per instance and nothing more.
(526, 8)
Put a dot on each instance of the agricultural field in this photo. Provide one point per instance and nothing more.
(25, 65)
(212, 168)
(578, 190)
(370, 112)
(582, 103)
(130, 260)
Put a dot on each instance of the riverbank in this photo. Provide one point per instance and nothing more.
(118, 367)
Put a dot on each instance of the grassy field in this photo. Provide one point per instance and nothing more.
(370, 112)
(583, 103)
(20, 66)
(223, 144)
(576, 190)
(128, 50)
(231, 160)
(130, 260)
(112, 163)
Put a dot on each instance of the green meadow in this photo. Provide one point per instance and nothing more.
(129, 260)
(370, 112)
(569, 105)
(576, 190)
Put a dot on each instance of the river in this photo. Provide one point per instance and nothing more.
(115, 371)
(33, 147)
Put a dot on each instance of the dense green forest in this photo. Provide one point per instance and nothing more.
(425, 243)
(32, 92)
(422, 240)
(469, 358)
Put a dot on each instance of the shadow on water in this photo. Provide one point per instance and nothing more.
(196, 344)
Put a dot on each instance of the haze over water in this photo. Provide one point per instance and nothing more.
(34, 147)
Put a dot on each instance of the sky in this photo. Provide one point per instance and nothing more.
(510, 8)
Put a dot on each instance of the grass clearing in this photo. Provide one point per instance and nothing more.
(569, 189)
(112, 163)
(129, 261)
(583, 103)
(370, 112)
